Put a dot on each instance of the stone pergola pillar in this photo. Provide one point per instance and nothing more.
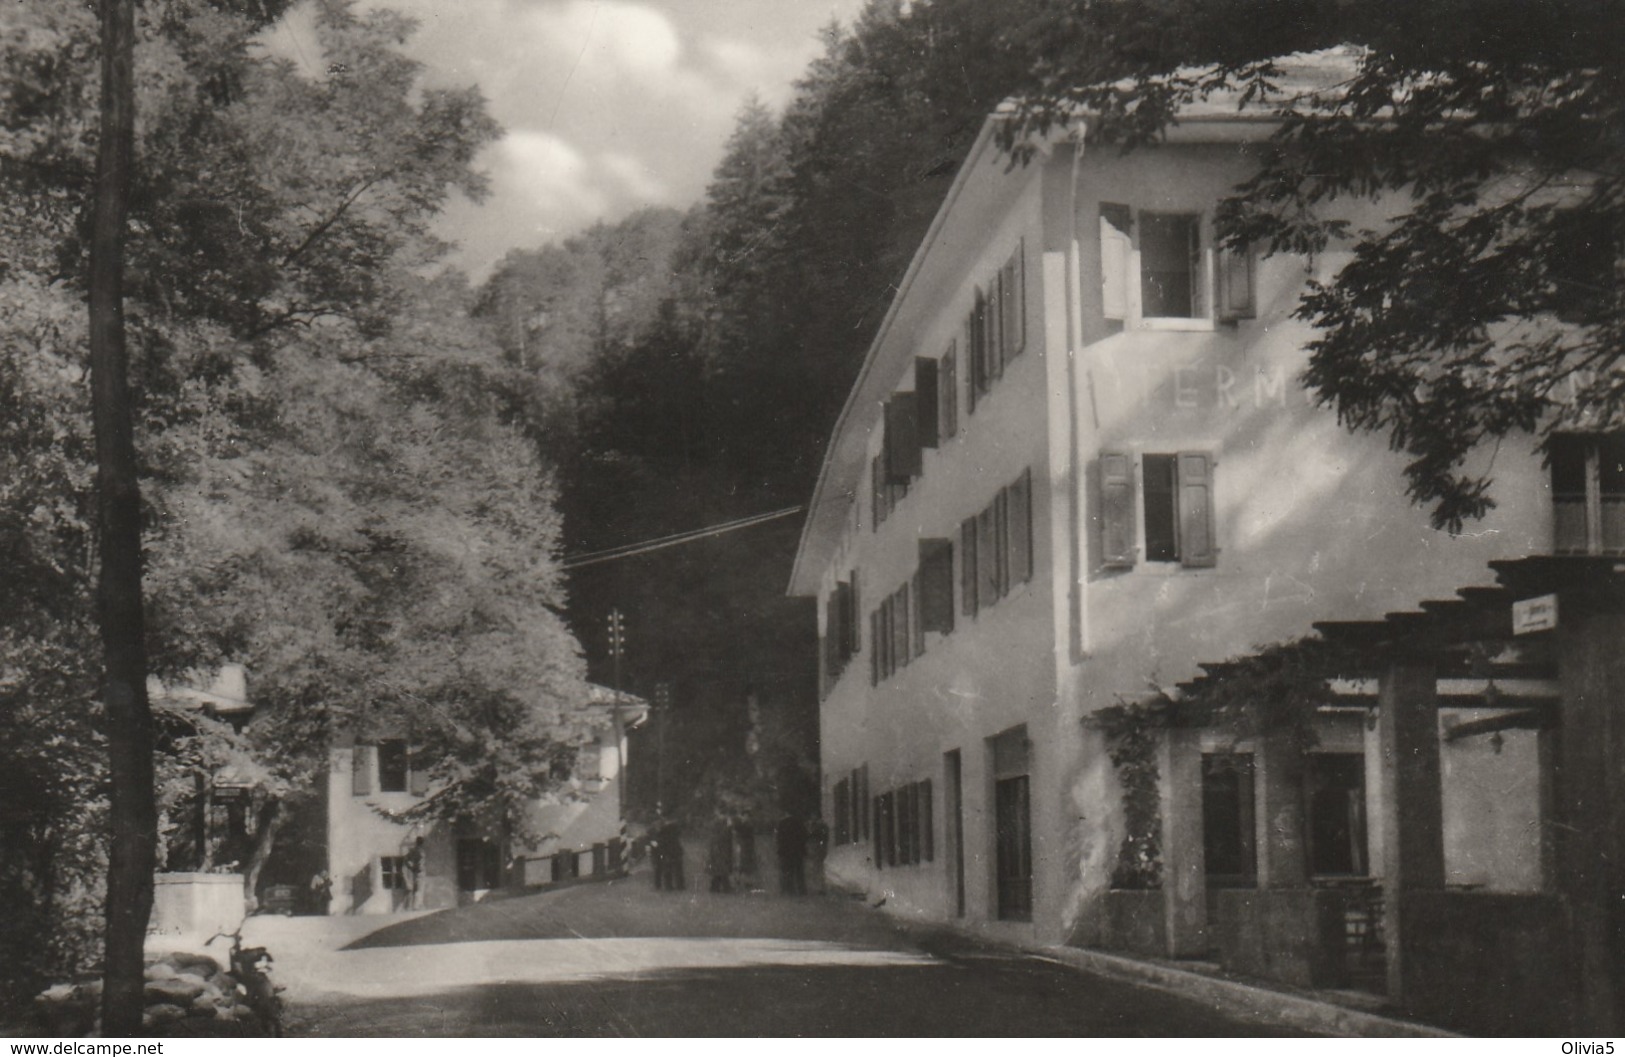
(1283, 858)
(1412, 800)
(1184, 869)
(1591, 805)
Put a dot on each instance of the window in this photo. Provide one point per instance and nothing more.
(948, 393)
(996, 546)
(479, 864)
(997, 327)
(393, 766)
(904, 826)
(901, 445)
(894, 633)
(936, 586)
(1229, 837)
(392, 873)
(928, 399)
(1588, 493)
(841, 629)
(1171, 276)
(1176, 504)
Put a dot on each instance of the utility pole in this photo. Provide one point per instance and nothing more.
(617, 650)
(662, 705)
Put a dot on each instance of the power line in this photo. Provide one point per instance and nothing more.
(627, 550)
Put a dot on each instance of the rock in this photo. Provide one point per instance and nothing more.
(159, 970)
(188, 962)
(177, 991)
(162, 1013)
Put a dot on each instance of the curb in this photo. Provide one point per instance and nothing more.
(1251, 1002)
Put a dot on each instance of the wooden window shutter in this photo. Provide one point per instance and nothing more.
(1116, 248)
(967, 566)
(1236, 275)
(854, 616)
(879, 493)
(1014, 288)
(874, 648)
(1020, 519)
(902, 441)
(841, 611)
(417, 774)
(936, 585)
(928, 400)
(863, 817)
(994, 321)
(878, 828)
(883, 638)
(987, 552)
(928, 830)
(1196, 548)
(948, 393)
(917, 628)
(976, 368)
(901, 640)
(841, 812)
(361, 769)
(1117, 510)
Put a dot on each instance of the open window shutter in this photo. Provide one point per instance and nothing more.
(1020, 519)
(841, 611)
(917, 627)
(854, 617)
(987, 552)
(1117, 510)
(901, 638)
(948, 391)
(995, 329)
(976, 368)
(879, 827)
(903, 461)
(874, 648)
(863, 816)
(1014, 316)
(878, 493)
(1115, 248)
(936, 585)
(417, 774)
(928, 400)
(967, 566)
(1236, 273)
(928, 831)
(1196, 509)
(361, 770)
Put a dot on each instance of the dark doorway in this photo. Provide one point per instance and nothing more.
(1012, 821)
(479, 864)
(1229, 834)
(1337, 832)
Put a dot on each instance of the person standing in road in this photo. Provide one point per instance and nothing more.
(790, 841)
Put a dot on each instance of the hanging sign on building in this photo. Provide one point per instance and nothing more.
(1534, 614)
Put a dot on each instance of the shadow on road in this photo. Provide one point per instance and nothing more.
(1002, 998)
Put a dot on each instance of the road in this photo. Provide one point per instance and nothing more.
(619, 959)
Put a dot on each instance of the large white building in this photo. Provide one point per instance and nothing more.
(1077, 464)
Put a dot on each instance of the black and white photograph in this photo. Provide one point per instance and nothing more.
(740, 519)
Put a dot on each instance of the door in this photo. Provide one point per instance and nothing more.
(1014, 848)
(954, 825)
(479, 865)
(1012, 825)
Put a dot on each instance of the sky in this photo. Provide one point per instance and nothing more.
(608, 105)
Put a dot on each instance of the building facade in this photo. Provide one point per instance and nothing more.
(1078, 464)
(379, 864)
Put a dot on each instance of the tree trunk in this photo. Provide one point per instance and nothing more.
(269, 824)
(133, 813)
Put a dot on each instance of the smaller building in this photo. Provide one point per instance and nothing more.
(379, 864)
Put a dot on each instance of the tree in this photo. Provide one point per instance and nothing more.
(133, 814)
(335, 490)
(1490, 305)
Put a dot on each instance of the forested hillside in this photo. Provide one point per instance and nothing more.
(688, 369)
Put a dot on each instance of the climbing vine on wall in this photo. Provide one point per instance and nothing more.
(1275, 688)
(1132, 732)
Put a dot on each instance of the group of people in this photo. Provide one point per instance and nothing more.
(730, 857)
(666, 854)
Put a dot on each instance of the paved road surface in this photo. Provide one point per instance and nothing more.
(621, 959)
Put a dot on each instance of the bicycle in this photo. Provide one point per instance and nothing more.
(251, 967)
